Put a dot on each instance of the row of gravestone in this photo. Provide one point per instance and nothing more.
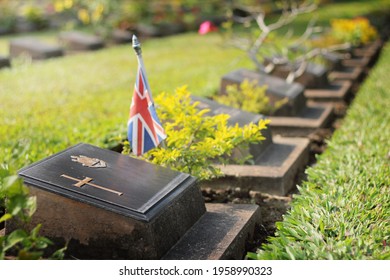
(105, 205)
(72, 41)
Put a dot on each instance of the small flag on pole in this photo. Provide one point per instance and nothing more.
(145, 131)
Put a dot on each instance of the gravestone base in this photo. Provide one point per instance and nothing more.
(220, 234)
(370, 50)
(337, 91)
(353, 74)
(274, 172)
(362, 62)
(312, 118)
(33, 48)
(79, 41)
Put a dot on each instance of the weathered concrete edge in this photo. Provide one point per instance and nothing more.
(194, 244)
(330, 95)
(301, 122)
(340, 75)
(268, 179)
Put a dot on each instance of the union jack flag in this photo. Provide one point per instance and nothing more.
(144, 128)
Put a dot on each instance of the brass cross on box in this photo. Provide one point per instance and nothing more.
(87, 181)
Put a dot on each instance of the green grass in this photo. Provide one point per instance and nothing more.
(337, 9)
(343, 210)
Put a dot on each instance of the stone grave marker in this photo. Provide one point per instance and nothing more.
(120, 36)
(33, 48)
(370, 50)
(296, 119)
(79, 41)
(275, 162)
(315, 75)
(110, 206)
(333, 60)
(4, 62)
(277, 89)
(317, 85)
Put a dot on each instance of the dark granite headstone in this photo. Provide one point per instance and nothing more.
(239, 117)
(109, 205)
(314, 76)
(33, 48)
(4, 62)
(277, 89)
(80, 41)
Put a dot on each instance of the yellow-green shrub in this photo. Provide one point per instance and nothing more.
(355, 31)
(248, 96)
(195, 141)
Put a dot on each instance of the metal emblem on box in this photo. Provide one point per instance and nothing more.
(89, 162)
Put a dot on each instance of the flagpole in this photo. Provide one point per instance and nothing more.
(138, 51)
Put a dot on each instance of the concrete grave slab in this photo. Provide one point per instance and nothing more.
(362, 62)
(369, 50)
(4, 62)
(79, 41)
(337, 91)
(353, 74)
(220, 234)
(310, 119)
(274, 172)
(33, 48)
(277, 89)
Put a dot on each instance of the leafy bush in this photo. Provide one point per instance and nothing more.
(7, 15)
(20, 205)
(356, 31)
(248, 96)
(195, 142)
(343, 210)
